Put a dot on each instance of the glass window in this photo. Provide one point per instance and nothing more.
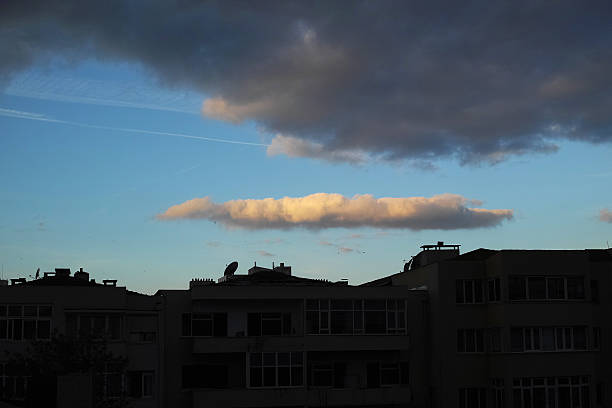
(575, 288)
(556, 288)
(517, 289)
(537, 287)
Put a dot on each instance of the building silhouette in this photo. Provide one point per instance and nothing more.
(509, 328)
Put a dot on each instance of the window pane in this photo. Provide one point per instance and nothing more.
(29, 329)
(575, 288)
(44, 311)
(2, 310)
(342, 322)
(255, 377)
(14, 310)
(469, 341)
(517, 288)
(580, 338)
(375, 322)
(271, 327)
(283, 376)
(478, 295)
(548, 338)
(201, 327)
(537, 287)
(516, 339)
(312, 322)
(283, 358)
(297, 376)
(30, 311)
(269, 376)
(147, 385)
(255, 359)
(296, 358)
(469, 291)
(44, 329)
(114, 327)
(556, 288)
(269, 359)
(459, 298)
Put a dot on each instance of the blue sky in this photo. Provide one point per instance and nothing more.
(78, 191)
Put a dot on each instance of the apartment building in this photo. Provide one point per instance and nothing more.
(484, 329)
(515, 328)
(270, 339)
(59, 308)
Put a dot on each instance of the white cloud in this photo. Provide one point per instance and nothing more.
(322, 210)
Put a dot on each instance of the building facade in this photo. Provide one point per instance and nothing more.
(515, 328)
(486, 328)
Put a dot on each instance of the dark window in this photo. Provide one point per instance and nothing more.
(339, 374)
(373, 375)
(220, 324)
(493, 290)
(575, 288)
(595, 291)
(495, 340)
(186, 327)
(556, 288)
(375, 322)
(268, 324)
(517, 288)
(537, 287)
(205, 376)
(459, 294)
(201, 324)
(275, 369)
(470, 341)
(580, 341)
(389, 374)
(140, 384)
(516, 340)
(472, 398)
(596, 338)
(322, 375)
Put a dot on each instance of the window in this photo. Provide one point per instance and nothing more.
(110, 382)
(494, 340)
(470, 341)
(322, 375)
(596, 338)
(140, 384)
(493, 290)
(269, 324)
(472, 398)
(599, 393)
(525, 339)
(25, 322)
(142, 337)
(497, 392)
(94, 325)
(204, 324)
(275, 369)
(387, 374)
(355, 316)
(560, 392)
(13, 383)
(205, 376)
(469, 291)
(595, 291)
(546, 288)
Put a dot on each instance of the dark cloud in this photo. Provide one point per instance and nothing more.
(479, 81)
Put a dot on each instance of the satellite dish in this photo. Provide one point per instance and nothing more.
(231, 268)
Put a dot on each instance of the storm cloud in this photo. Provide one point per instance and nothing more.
(475, 81)
(322, 210)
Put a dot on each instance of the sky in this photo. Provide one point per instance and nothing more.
(155, 145)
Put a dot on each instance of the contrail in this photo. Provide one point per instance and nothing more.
(43, 118)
